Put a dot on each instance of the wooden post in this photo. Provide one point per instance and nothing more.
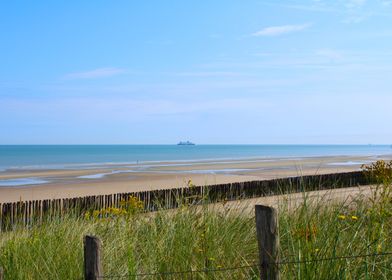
(268, 240)
(92, 258)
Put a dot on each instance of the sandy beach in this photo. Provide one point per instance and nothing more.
(107, 179)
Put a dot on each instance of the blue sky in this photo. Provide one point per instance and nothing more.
(128, 72)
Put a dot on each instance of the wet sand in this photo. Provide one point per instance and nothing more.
(66, 183)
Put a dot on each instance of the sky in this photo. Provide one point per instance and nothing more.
(213, 72)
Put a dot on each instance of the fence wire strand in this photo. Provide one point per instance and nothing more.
(183, 272)
(252, 265)
(335, 258)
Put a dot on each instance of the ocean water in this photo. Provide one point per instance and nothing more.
(88, 156)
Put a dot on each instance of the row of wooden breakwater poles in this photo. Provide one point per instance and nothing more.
(31, 212)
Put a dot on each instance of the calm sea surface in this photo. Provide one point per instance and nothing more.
(68, 156)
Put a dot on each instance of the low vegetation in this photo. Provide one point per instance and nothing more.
(345, 240)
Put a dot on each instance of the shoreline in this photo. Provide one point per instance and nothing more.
(119, 179)
(104, 165)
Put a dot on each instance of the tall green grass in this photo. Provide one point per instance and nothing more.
(184, 239)
(212, 238)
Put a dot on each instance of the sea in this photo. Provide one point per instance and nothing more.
(87, 156)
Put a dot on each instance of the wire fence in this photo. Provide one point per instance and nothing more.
(254, 265)
(268, 266)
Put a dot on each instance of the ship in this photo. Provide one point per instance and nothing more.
(185, 143)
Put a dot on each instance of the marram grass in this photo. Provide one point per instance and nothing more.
(212, 238)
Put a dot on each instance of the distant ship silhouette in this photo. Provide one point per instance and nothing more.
(185, 143)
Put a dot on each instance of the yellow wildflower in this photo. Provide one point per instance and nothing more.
(379, 248)
(211, 259)
(354, 218)
(342, 217)
(123, 202)
(190, 184)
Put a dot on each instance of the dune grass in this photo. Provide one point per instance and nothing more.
(213, 238)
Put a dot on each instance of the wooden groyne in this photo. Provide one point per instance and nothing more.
(27, 212)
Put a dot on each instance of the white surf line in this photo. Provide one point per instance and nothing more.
(350, 163)
(21, 182)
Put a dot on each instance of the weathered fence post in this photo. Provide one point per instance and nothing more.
(92, 258)
(268, 240)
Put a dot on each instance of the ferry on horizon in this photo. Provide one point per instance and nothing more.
(186, 143)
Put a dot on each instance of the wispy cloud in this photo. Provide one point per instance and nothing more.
(386, 2)
(95, 73)
(209, 74)
(330, 54)
(281, 29)
(352, 11)
(355, 4)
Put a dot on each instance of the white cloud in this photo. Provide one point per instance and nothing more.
(209, 74)
(386, 2)
(354, 4)
(279, 30)
(330, 54)
(95, 73)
